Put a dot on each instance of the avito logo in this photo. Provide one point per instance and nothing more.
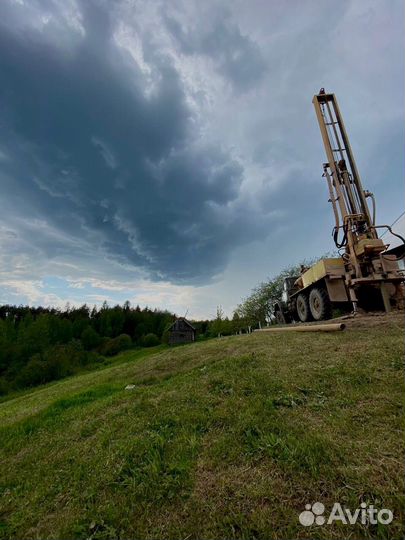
(314, 514)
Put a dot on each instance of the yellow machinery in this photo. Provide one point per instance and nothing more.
(364, 274)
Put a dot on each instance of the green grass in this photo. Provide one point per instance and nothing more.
(228, 438)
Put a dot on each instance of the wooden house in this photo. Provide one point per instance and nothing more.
(181, 331)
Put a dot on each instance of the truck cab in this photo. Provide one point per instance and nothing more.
(284, 309)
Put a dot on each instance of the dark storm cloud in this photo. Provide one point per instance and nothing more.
(97, 153)
(236, 56)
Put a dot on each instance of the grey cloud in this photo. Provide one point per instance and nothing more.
(106, 153)
(103, 170)
(236, 56)
(98, 157)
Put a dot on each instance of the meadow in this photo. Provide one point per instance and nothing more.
(227, 438)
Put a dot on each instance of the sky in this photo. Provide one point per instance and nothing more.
(167, 152)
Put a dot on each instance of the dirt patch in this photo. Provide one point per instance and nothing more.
(371, 320)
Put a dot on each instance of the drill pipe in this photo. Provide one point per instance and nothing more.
(333, 327)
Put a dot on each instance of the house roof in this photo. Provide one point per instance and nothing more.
(184, 320)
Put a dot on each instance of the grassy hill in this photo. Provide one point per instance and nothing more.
(228, 438)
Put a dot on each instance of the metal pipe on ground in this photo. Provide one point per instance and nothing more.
(333, 327)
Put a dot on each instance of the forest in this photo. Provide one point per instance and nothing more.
(38, 344)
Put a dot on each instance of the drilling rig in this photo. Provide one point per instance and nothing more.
(364, 275)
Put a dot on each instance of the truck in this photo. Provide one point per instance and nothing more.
(364, 275)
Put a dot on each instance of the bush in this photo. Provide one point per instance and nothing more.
(165, 337)
(33, 373)
(90, 338)
(150, 340)
(110, 347)
(94, 358)
(55, 363)
(124, 341)
(4, 387)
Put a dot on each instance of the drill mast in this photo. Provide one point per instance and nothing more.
(364, 260)
(352, 214)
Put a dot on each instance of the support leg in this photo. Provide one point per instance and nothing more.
(386, 297)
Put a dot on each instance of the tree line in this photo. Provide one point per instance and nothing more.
(38, 344)
(257, 309)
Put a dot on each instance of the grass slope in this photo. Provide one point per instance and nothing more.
(224, 439)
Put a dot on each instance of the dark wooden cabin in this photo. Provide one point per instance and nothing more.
(181, 331)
